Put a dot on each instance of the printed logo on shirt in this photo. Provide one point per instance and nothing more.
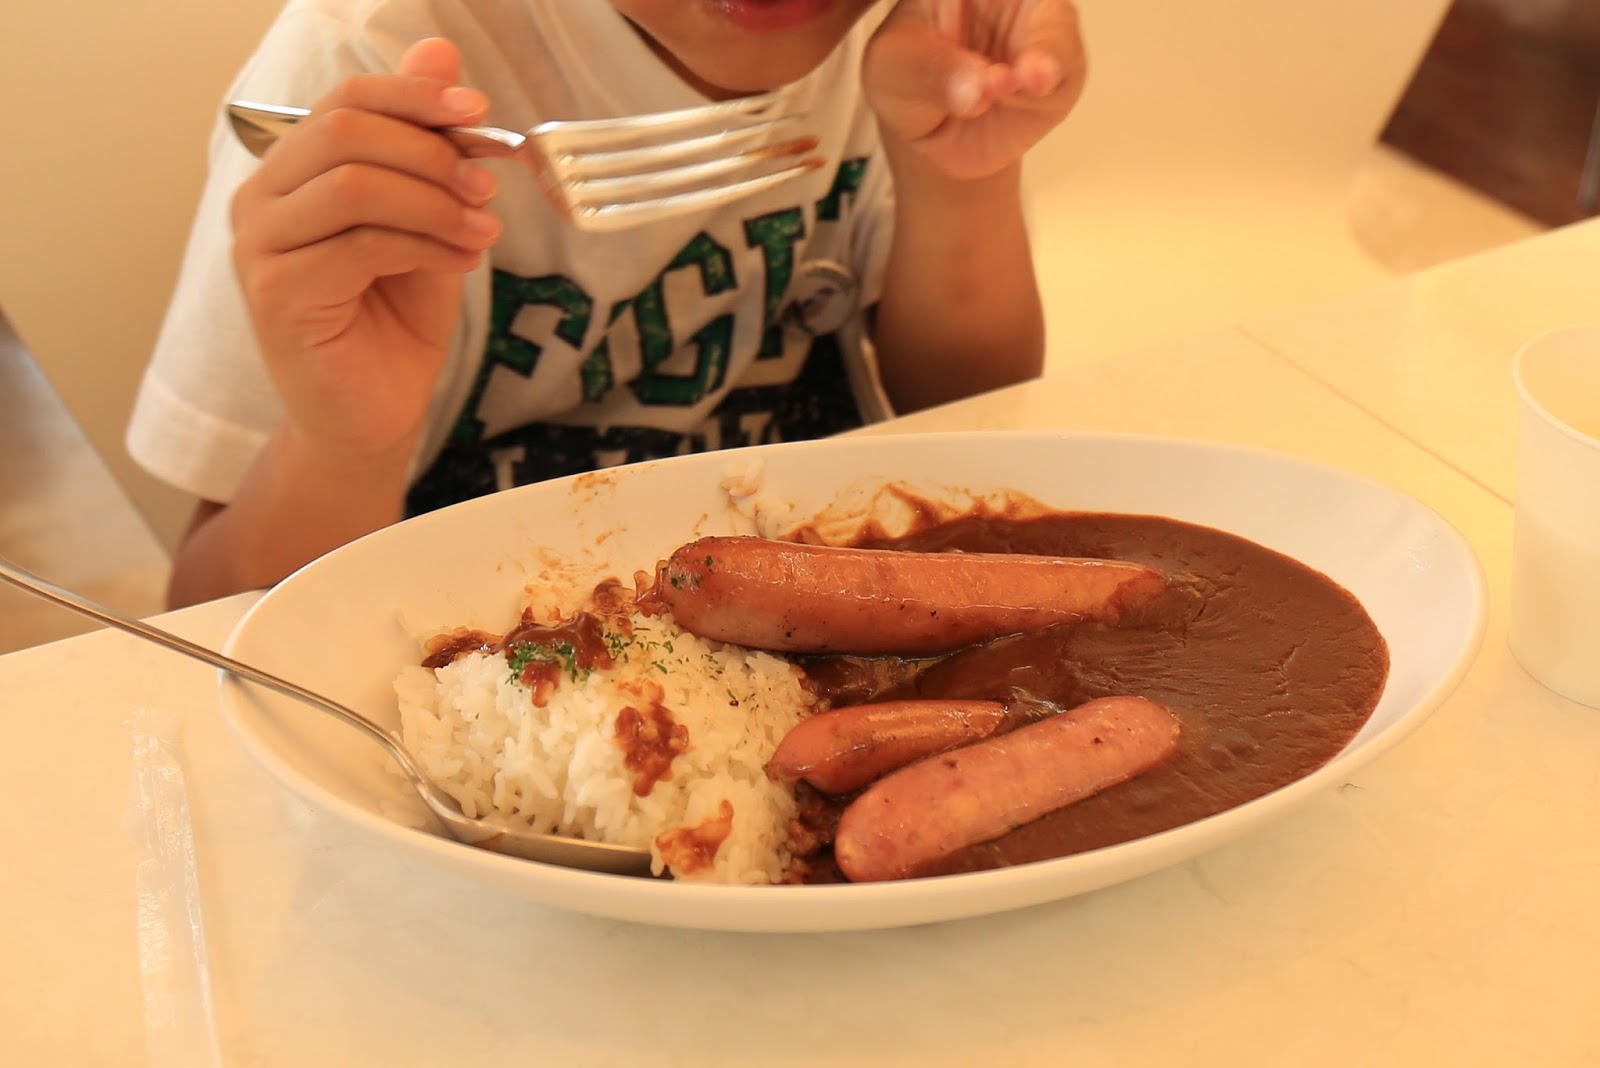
(664, 370)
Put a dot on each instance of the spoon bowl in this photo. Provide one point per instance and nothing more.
(497, 838)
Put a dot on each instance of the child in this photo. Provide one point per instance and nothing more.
(389, 328)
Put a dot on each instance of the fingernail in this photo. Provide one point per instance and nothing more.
(474, 182)
(966, 88)
(1045, 76)
(482, 222)
(459, 100)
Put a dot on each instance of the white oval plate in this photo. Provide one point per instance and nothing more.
(345, 624)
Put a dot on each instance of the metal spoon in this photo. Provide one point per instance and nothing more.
(548, 848)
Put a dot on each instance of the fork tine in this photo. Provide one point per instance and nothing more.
(655, 183)
(731, 143)
(623, 215)
(579, 134)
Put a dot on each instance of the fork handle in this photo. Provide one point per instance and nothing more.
(27, 581)
(257, 126)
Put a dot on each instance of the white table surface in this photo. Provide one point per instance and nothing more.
(1443, 906)
(1430, 354)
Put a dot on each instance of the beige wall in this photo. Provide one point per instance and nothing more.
(1205, 175)
(107, 105)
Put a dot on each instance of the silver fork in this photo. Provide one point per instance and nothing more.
(610, 174)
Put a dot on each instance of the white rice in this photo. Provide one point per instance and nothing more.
(477, 732)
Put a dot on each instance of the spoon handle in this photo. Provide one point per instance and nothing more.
(65, 598)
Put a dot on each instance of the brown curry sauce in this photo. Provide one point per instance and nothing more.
(1270, 667)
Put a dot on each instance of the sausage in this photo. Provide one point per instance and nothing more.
(844, 749)
(929, 810)
(826, 599)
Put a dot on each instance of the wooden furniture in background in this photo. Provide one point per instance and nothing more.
(1507, 100)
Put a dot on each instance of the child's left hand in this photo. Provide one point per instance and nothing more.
(971, 85)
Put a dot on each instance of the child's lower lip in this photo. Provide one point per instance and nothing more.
(766, 16)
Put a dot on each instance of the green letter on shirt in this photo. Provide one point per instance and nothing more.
(510, 295)
(776, 235)
(712, 342)
(848, 181)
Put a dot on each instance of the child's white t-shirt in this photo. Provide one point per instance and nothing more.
(575, 350)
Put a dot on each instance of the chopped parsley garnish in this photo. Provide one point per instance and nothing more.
(520, 655)
(654, 650)
(680, 580)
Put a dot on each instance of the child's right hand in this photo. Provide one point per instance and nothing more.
(350, 241)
